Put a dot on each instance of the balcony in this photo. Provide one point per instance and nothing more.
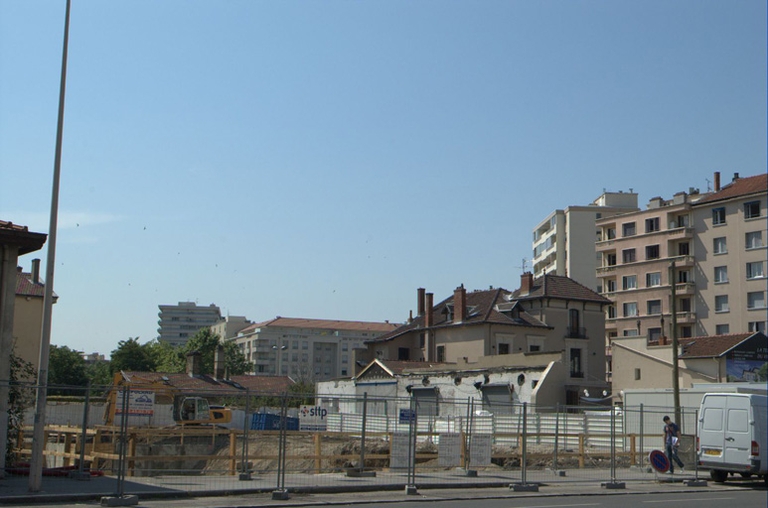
(686, 317)
(685, 288)
(576, 333)
(602, 271)
(682, 261)
(679, 233)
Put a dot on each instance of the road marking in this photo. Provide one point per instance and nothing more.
(559, 505)
(682, 500)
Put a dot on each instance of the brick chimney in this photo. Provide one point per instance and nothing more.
(429, 303)
(194, 359)
(526, 283)
(420, 301)
(459, 304)
(36, 271)
(735, 177)
(717, 181)
(219, 364)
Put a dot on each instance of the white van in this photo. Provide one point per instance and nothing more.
(733, 435)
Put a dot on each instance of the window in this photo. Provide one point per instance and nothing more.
(576, 363)
(629, 282)
(754, 239)
(422, 340)
(610, 233)
(755, 270)
(440, 354)
(683, 249)
(637, 374)
(304, 344)
(718, 216)
(631, 332)
(652, 252)
(719, 246)
(652, 279)
(628, 229)
(344, 346)
(686, 332)
(722, 329)
(654, 307)
(628, 256)
(757, 326)
(630, 309)
(684, 305)
(682, 221)
(651, 225)
(683, 276)
(574, 323)
(721, 274)
(611, 312)
(721, 303)
(403, 354)
(610, 286)
(503, 349)
(344, 359)
(654, 334)
(756, 300)
(752, 210)
(610, 259)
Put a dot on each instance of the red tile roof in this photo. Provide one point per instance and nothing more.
(741, 187)
(206, 385)
(714, 346)
(558, 286)
(323, 324)
(25, 286)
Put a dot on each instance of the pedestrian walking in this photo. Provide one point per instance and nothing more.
(672, 443)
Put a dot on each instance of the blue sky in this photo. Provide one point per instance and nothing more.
(325, 159)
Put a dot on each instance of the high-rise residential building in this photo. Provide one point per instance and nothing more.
(564, 242)
(229, 326)
(306, 349)
(717, 243)
(178, 323)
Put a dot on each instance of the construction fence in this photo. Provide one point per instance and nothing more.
(291, 442)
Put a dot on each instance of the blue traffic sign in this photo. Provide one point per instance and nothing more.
(659, 461)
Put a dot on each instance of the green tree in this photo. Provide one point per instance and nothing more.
(66, 369)
(204, 342)
(132, 356)
(762, 372)
(99, 375)
(21, 396)
(168, 358)
(235, 360)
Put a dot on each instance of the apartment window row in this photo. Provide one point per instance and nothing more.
(755, 270)
(754, 240)
(653, 279)
(751, 211)
(756, 300)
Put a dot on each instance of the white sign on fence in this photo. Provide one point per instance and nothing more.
(313, 418)
(449, 450)
(480, 450)
(140, 403)
(400, 451)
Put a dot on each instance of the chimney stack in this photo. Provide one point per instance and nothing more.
(420, 301)
(219, 364)
(459, 304)
(717, 181)
(36, 271)
(194, 359)
(735, 176)
(428, 310)
(526, 283)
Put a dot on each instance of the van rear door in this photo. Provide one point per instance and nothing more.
(711, 431)
(737, 431)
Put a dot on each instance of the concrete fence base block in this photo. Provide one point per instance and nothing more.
(77, 475)
(557, 472)
(471, 473)
(614, 485)
(359, 473)
(524, 487)
(695, 483)
(245, 477)
(410, 490)
(120, 501)
(280, 495)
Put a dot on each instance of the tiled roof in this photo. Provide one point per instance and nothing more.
(482, 308)
(713, 346)
(558, 286)
(206, 385)
(25, 286)
(741, 187)
(20, 236)
(322, 324)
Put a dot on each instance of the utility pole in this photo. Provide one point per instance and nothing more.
(38, 441)
(675, 373)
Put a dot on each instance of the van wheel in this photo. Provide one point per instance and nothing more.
(718, 476)
(746, 475)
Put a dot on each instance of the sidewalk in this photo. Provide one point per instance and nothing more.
(224, 492)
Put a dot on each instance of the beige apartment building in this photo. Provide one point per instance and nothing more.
(716, 242)
(563, 243)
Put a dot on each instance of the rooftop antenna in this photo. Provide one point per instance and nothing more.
(522, 267)
(709, 187)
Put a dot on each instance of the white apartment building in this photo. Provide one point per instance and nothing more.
(717, 242)
(178, 323)
(230, 326)
(306, 349)
(564, 242)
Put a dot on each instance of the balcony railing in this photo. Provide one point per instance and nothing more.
(576, 333)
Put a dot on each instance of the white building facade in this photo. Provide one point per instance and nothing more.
(178, 323)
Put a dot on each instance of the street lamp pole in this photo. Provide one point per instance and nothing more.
(278, 350)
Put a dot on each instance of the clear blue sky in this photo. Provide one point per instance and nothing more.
(324, 159)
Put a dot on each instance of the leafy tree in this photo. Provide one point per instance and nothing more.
(66, 369)
(205, 342)
(301, 393)
(21, 395)
(168, 358)
(235, 360)
(132, 356)
(762, 372)
(99, 375)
